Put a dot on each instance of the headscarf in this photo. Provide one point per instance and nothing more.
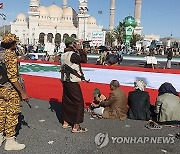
(140, 84)
(167, 88)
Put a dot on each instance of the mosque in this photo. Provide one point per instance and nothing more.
(53, 24)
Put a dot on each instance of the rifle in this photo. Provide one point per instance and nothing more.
(68, 70)
(21, 82)
(27, 101)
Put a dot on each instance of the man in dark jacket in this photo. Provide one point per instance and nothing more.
(139, 102)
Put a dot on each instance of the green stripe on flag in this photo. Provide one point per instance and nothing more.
(38, 68)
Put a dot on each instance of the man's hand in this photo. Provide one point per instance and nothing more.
(97, 99)
(77, 46)
(24, 96)
(94, 105)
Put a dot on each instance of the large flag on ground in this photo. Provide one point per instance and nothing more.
(1, 5)
(43, 80)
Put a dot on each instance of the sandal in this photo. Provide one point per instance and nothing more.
(96, 116)
(79, 130)
(66, 126)
(88, 110)
(178, 136)
(153, 125)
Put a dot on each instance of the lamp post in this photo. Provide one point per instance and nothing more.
(100, 13)
(56, 29)
(33, 39)
(84, 26)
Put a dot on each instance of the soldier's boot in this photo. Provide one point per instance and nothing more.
(12, 144)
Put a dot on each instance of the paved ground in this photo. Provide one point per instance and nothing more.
(45, 135)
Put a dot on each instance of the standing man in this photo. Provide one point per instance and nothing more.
(71, 74)
(12, 93)
(169, 58)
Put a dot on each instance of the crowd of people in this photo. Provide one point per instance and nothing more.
(116, 106)
(137, 105)
(115, 57)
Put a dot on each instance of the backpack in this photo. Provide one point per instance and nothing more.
(3, 70)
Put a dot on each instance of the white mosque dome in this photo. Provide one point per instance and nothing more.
(92, 20)
(69, 12)
(55, 11)
(21, 17)
(43, 11)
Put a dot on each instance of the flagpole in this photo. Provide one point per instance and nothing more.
(4, 28)
(3, 18)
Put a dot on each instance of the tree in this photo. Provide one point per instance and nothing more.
(118, 33)
(134, 39)
(109, 38)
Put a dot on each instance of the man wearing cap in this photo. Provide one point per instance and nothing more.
(12, 93)
(72, 100)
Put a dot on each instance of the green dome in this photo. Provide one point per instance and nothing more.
(129, 21)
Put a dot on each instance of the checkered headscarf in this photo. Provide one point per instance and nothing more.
(140, 84)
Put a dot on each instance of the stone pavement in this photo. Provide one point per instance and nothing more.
(46, 136)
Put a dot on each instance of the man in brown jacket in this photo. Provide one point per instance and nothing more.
(116, 104)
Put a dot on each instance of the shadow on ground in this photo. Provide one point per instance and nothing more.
(56, 106)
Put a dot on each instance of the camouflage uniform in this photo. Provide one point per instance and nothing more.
(10, 99)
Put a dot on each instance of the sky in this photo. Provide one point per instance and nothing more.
(159, 17)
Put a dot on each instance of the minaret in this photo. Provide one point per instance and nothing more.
(137, 11)
(33, 21)
(33, 7)
(112, 14)
(137, 16)
(83, 19)
(64, 4)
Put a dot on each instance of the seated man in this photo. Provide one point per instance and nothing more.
(139, 102)
(95, 106)
(167, 103)
(116, 105)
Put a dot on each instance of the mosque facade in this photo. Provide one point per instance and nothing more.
(53, 24)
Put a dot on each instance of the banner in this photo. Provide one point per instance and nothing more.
(97, 38)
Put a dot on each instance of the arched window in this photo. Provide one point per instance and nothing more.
(65, 36)
(73, 35)
(41, 38)
(57, 39)
(49, 37)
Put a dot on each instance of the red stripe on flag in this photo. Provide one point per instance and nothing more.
(50, 88)
(1, 5)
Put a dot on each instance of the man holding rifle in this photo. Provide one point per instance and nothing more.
(71, 74)
(11, 94)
